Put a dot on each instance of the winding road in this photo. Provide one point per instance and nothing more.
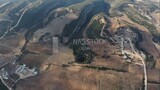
(81, 22)
(143, 62)
(4, 4)
(12, 28)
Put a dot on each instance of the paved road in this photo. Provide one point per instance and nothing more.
(4, 4)
(82, 21)
(143, 62)
(12, 28)
(18, 20)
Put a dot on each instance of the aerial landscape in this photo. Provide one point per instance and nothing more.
(79, 44)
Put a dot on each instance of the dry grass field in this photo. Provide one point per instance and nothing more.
(74, 78)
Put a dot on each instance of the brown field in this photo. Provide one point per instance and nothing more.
(33, 60)
(154, 75)
(39, 48)
(38, 57)
(153, 86)
(112, 62)
(66, 78)
(12, 43)
(158, 63)
(63, 56)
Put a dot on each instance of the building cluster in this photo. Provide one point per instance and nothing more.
(12, 72)
(124, 40)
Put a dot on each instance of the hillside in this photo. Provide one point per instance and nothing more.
(80, 44)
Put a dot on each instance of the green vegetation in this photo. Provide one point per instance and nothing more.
(4, 27)
(140, 19)
(80, 6)
(13, 15)
(144, 23)
(69, 28)
(82, 55)
(151, 62)
(98, 8)
(115, 4)
(65, 65)
(152, 7)
(4, 8)
(94, 30)
(105, 68)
